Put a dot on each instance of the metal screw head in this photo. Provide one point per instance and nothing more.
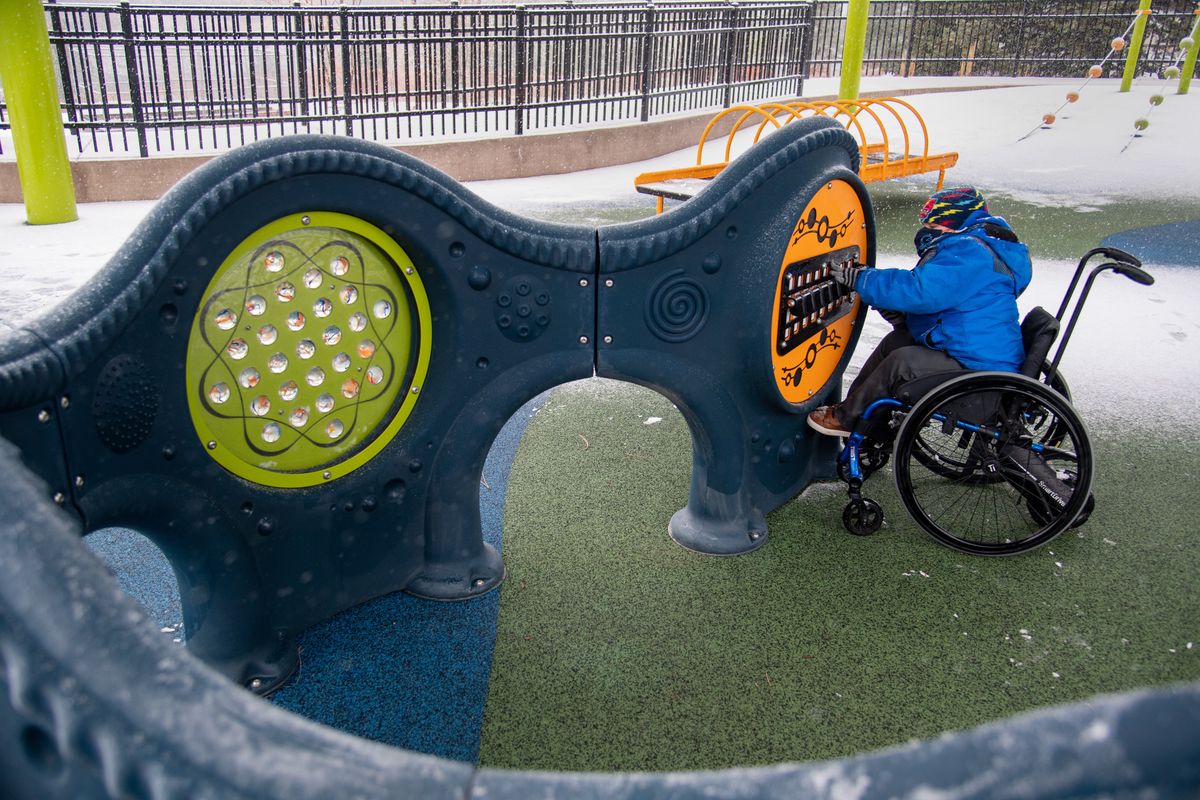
(255, 684)
(306, 220)
(212, 445)
(583, 340)
(59, 498)
(79, 481)
(583, 282)
(755, 535)
(477, 583)
(326, 475)
(65, 402)
(608, 340)
(43, 416)
(609, 283)
(408, 270)
(416, 390)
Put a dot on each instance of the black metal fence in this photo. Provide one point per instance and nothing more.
(155, 79)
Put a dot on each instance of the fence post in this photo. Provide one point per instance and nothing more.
(64, 65)
(1189, 61)
(522, 67)
(1135, 45)
(808, 24)
(135, 85)
(347, 116)
(731, 23)
(910, 68)
(27, 71)
(301, 62)
(1020, 49)
(853, 47)
(647, 58)
(455, 62)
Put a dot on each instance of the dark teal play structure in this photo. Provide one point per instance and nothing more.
(289, 379)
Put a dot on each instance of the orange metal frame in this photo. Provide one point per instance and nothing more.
(878, 162)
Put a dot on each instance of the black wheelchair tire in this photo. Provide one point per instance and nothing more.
(1014, 388)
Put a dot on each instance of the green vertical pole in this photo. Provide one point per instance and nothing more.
(852, 48)
(1189, 61)
(1135, 45)
(27, 72)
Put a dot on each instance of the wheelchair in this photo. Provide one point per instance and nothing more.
(987, 463)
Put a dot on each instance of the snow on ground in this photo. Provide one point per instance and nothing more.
(1076, 162)
(1131, 341)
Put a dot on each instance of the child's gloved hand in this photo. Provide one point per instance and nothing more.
(844, 274)
(896, 318)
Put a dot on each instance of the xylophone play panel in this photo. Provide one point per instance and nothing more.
(814, 317)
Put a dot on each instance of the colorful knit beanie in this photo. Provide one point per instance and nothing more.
(951, 207)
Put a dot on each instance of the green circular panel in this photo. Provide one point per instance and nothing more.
(308, 351)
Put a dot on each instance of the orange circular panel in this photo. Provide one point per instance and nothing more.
(814, 316)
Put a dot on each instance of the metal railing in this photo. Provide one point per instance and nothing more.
(154, 79)
(148, 79)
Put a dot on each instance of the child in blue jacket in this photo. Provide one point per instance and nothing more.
(956, 308)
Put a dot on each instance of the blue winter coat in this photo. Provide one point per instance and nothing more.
(961, 297)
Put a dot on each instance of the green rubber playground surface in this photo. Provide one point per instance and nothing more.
(619, 650)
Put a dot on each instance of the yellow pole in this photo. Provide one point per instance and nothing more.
(853, 47)
(1189, 61)
(1135, 45)
(30, 89)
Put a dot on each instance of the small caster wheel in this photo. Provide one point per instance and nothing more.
(862, 517)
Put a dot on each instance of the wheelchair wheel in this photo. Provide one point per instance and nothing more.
(1024, 469)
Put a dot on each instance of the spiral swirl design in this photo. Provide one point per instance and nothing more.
(676, 308)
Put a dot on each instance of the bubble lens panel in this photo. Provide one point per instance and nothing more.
(810, 298)
(236, 367)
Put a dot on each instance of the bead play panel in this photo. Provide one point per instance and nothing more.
(309, 350)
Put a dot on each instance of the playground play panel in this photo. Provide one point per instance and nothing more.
(290, 377)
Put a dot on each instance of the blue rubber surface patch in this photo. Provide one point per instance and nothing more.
(1173, 244)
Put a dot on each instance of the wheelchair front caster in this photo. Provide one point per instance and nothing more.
(862, 517)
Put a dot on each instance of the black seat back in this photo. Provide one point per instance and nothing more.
(1039, 329)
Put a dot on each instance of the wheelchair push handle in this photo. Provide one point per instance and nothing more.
(1122, 258)
(1118, 255)
(1133, 273)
